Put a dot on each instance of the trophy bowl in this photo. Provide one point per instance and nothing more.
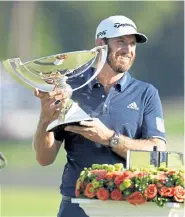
(55, 71)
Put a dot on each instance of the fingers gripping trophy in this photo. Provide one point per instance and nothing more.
(53, 73)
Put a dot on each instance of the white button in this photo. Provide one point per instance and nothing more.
(103, 96)
(98, 85)
(105, 105)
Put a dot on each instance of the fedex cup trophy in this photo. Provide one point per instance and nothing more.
(55, 71)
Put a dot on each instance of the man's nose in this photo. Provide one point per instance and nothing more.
(126, 47)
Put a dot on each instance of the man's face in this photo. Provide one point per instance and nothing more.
(121, 53)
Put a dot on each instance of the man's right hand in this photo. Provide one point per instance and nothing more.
(49, 108)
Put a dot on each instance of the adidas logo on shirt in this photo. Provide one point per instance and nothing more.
(133, 105)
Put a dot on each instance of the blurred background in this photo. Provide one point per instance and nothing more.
(34, 29)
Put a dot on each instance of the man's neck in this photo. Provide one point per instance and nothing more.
(108, 77)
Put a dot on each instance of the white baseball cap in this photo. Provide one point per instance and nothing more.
(116, 26)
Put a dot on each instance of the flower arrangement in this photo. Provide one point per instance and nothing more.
(137, 186)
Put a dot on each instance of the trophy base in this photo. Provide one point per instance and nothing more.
(72, 117)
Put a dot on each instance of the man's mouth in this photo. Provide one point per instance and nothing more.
(125, 57)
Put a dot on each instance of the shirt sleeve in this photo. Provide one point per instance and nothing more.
(153, 122)
(59, 134)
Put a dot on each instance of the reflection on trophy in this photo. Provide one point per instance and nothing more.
(2, 161)
(55, 71)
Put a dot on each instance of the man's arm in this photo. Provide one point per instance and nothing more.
(44, 143)
(96, 131)
(138, 144)
(153, 132)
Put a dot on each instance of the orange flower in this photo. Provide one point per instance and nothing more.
(179, 193)
(117, 173)
(171, 171)
(102, 193)
(109, 175)
(121, 177)
(166, 191)
(99, 173)
(89, 191)
(116, 195)
(136, 198)
(151, 191)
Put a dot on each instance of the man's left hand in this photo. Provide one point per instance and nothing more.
(93, 130)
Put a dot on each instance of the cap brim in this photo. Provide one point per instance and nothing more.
(140, 38)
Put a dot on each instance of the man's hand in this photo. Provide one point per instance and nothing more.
(49, 108)
(94, 130)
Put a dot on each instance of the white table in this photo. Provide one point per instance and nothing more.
(109, 208)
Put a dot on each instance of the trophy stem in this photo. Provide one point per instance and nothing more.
(64, 111)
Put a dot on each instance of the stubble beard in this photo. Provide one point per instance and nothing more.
(115, 65)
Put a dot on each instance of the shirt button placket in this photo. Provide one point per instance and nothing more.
(104, 108)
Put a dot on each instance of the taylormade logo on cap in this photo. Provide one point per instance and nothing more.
(116, 26)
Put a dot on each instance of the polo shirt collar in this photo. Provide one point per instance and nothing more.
(122, 83)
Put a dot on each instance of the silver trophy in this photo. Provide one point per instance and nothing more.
(55, 71)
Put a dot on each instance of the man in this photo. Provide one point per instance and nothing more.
(128, 113)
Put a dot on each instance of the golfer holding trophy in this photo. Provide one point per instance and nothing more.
(97, 111)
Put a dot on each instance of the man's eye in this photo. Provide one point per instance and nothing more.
(133, 44)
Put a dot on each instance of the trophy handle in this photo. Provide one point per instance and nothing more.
(102, 62)
(23, 77)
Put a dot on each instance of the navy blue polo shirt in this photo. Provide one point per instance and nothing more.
(132, 108)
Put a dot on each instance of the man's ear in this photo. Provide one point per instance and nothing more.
(100, 42)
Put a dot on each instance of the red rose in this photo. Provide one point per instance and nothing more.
(166, 191)
(117, 173)
(99, 173)
(142, 174)
(136, 198)
(102, 193)
(179, 193)
(127, 175)
(118, 179)
(151, 191)
(162, 177)
(89, 191)
(116, 195)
